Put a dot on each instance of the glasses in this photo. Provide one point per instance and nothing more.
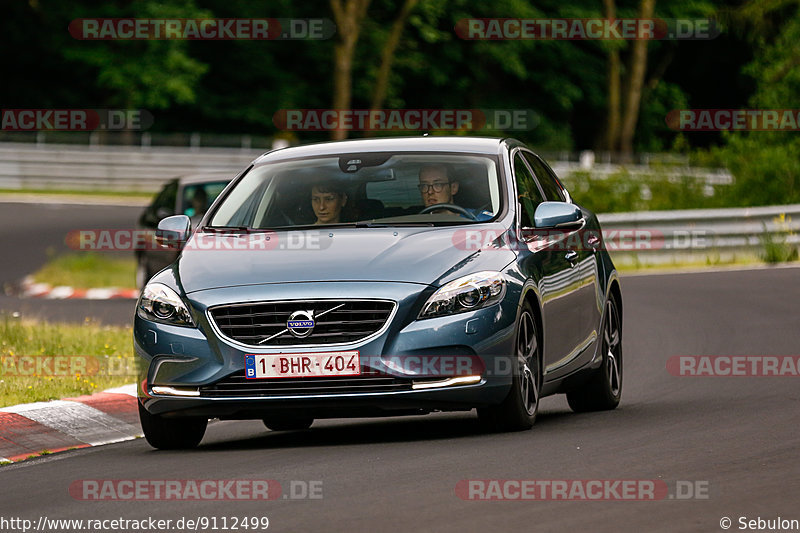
(424, 188)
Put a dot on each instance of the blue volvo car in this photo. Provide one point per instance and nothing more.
(380, 277)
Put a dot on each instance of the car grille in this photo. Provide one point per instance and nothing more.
(351, 321)
(236, 385)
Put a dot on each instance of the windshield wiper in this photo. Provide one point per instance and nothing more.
(321, 227)
(227, 228)
(393, 224)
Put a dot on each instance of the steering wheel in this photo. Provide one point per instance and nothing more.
(450, 207)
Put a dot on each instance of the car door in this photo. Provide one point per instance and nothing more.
(543, 258)
(585, 267)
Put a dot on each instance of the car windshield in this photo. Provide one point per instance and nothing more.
(364, 190)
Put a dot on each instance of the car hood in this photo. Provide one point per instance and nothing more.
(411, 255)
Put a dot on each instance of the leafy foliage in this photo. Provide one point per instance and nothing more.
(237, 86)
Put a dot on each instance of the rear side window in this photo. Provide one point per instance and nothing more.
(529, 195)
(198, 197)
(166, 200)
(548, 180)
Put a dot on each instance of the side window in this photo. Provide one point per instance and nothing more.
(163, 205)
(553, 190)
(198, 198)
(165, 202)
(529, 195)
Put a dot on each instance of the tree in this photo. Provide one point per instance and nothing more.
(614, 110)
(766, 165)
(387, 55)
(348, 16)
(150, 73)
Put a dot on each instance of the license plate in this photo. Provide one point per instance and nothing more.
(302, 365)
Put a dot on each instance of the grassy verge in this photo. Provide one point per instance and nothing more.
(42, 361)
(78, 192)
(89, 270)
(632, 264)
(684, 265)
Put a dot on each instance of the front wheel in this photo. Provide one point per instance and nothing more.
(171, 433)
(518, 410)
(604, 389)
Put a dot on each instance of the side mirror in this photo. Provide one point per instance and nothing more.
(559, 215)
(174, 231)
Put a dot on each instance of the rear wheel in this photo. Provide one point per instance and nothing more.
(518, 410)
(172, 433)
(288, 424)
(604, 389)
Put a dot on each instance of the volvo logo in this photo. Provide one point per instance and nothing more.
(301, 323)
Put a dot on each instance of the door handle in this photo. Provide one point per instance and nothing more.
(571, 256)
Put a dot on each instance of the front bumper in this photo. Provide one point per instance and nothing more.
(180, 364)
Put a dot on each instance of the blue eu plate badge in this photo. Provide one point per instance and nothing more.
(250, 366)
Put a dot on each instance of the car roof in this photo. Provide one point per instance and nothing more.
(472, 145)
(207, 177)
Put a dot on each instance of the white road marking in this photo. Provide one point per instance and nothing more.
(59, 293)
(129, 389)
(79, 421)
(99, 294)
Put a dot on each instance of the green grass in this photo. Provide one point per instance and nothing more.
(622, 191)
(709, 262)
(79, 192)
(93, 358)
(88, 270)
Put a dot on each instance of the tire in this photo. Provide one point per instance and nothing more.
(519, 409)
(604, 389)
(172, 433)
(288, 424)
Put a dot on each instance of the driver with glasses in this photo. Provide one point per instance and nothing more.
(438, 189)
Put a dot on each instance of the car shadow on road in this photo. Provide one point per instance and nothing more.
(373, 431)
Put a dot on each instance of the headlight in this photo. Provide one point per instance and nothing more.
(466, 294)
(159, 303)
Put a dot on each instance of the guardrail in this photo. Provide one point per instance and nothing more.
(655, 237)
(119, 168)
(709, 176)
(699, 235)
(146, 168)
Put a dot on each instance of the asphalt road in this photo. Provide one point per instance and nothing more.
(29, 231)
(737, 436)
